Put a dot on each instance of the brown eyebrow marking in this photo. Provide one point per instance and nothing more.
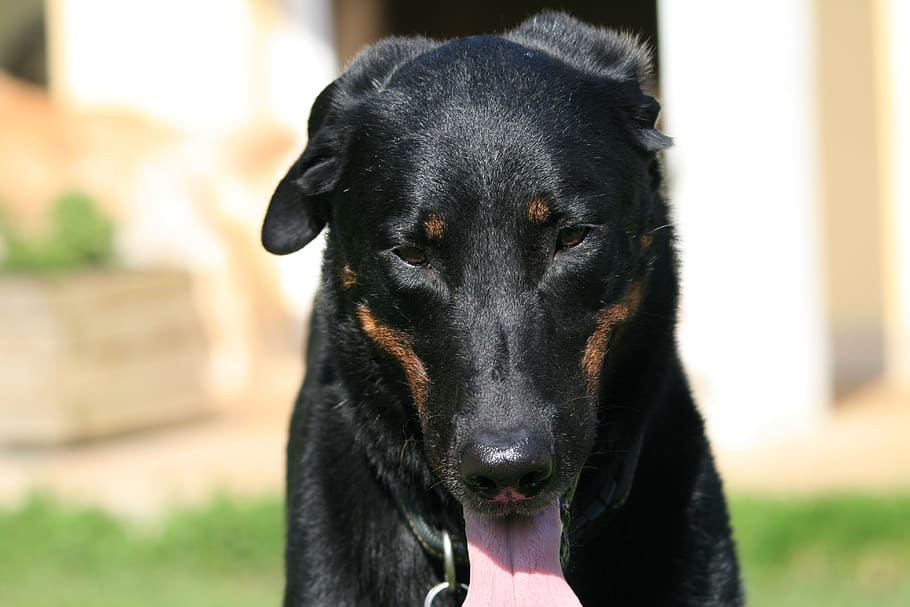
(596, 346)
(399, 346)
(348, 277)
(538, 210)
(645, 241)
(435, 226)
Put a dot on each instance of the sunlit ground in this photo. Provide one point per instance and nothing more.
(833, 551)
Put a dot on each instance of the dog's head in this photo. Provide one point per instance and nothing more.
(491, 202)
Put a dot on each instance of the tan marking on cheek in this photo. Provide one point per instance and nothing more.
(538, 210)
(646, 241)
(435, 226)
(607, 320)
(398, 345)
(348, 278)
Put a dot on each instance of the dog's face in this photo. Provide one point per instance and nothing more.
(484, 260)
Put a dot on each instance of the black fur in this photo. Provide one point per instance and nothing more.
(499, 311)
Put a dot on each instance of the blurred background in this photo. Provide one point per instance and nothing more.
(150, 349)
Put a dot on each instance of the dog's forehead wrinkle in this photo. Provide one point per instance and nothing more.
(487, 163)
(487, 190)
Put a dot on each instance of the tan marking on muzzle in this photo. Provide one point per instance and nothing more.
(435, 226)
(348, 277)
(607, 320)
(399, 346)
(538, 210)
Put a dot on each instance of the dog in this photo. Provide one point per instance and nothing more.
(493, 397)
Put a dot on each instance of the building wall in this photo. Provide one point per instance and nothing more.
(740, 101)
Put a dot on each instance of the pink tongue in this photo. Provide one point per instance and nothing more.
(515, 563)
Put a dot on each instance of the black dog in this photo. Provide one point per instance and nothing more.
(493, 341)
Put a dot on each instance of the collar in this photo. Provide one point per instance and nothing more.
(431, 539)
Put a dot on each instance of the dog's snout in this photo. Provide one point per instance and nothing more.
(507, 469)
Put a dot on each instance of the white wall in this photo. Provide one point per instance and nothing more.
(201, 65)
(738, 85)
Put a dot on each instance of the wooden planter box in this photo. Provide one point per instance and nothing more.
(97, 353)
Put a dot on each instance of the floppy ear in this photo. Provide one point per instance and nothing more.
(298, 211)
(299, 208)
(643, 113)
(610, 56)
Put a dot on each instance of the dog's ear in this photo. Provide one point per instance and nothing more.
(643, 110)
(619, 57)
(300, 206)
(298, 210)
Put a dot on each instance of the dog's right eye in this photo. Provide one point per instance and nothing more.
(571, 236)
(411, 255)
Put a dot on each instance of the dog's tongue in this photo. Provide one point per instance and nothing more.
(515, 563)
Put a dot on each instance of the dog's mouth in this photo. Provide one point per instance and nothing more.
(510, 504)
(515, 560)
(511, 487)
(514, 540)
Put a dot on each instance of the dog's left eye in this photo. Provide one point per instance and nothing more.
(570, 237)
(411, 255)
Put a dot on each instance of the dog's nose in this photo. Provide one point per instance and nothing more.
(489, 467)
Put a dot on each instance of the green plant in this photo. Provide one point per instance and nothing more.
(78, 235)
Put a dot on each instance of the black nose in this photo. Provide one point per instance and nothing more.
(490, 466)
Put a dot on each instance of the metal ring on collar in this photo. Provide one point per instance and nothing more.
(438, 588)
(451, 584)
(449, 561)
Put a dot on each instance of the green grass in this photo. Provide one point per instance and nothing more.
(226, 555)
(836, 552)
(846, 551)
